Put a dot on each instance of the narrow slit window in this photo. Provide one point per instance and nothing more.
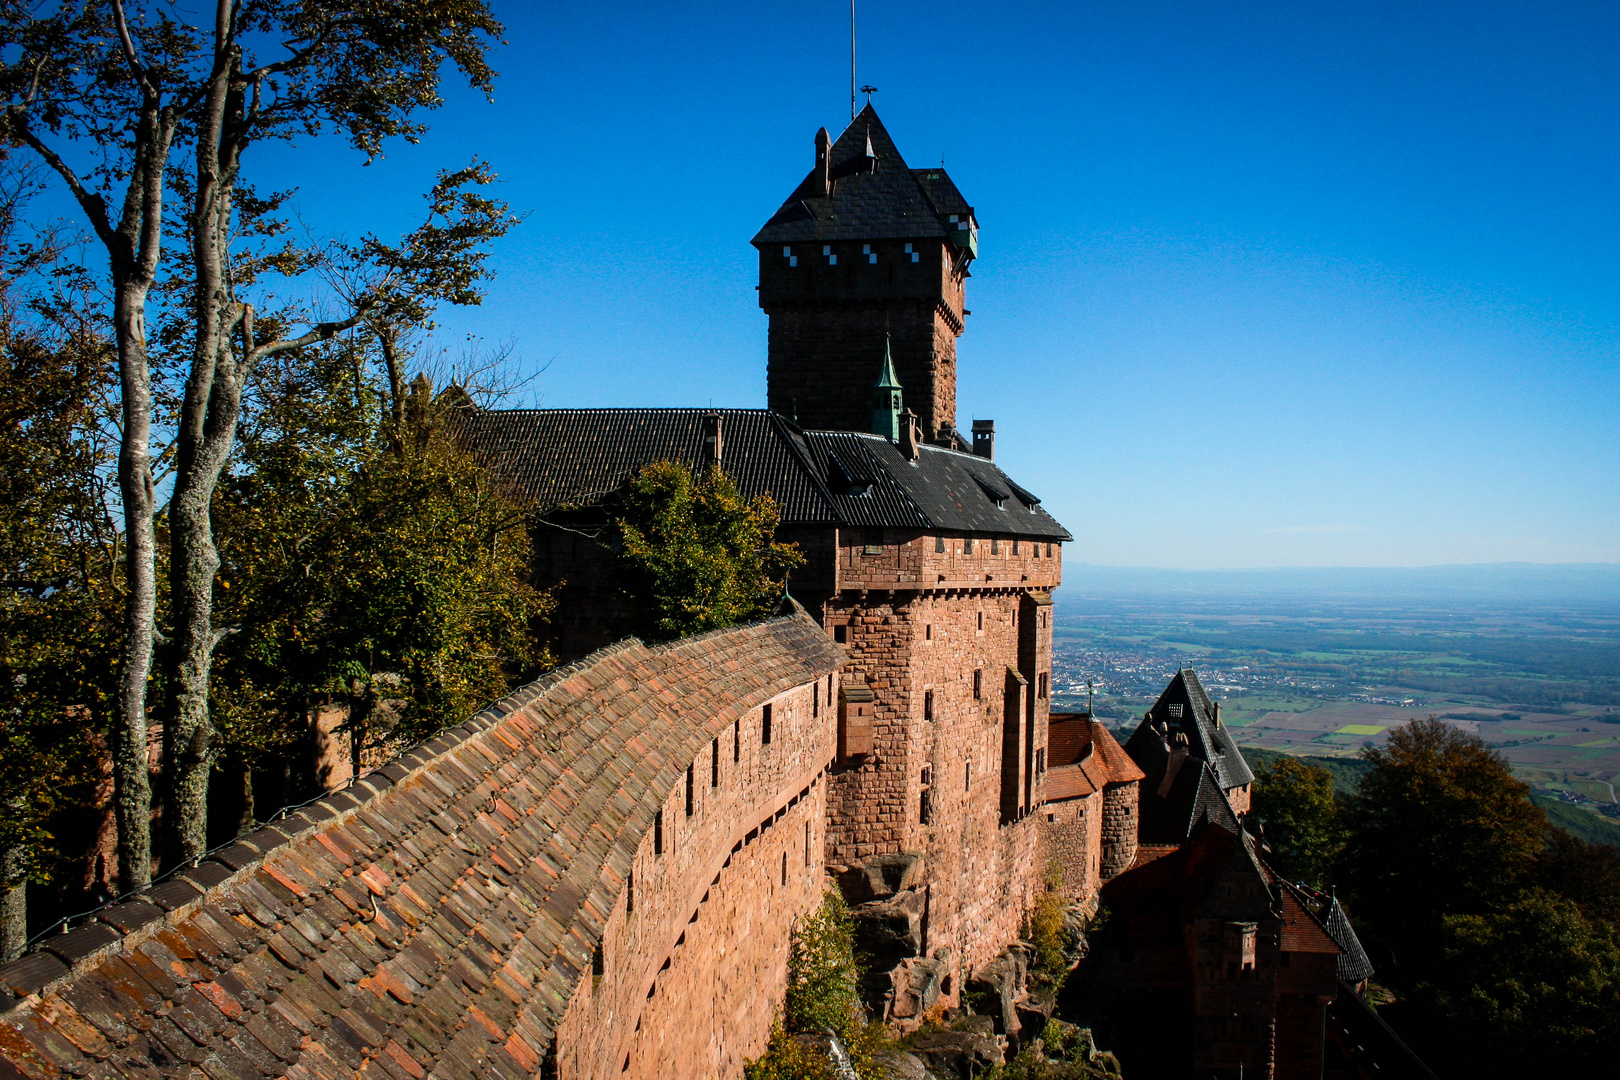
(691, 793)
(1015, 547)
(630, 892)
(841, 634)
(736, 741)
(598, 962)
(995, 545)
(928, 632)
(815, 699)
(658, 833)
(784, 869)
(928, 706)
(807, 843)
(714, 762)
(939, 545)
(967, 545)
(978, 684)
(765, 726)
(981, 620)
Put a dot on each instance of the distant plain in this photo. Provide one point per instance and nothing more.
(1323, 663)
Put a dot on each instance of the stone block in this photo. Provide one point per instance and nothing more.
(881, 877)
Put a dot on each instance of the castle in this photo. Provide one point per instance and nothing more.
(598, 876)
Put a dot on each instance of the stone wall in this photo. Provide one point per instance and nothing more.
(828, 323)
(1119, 828)
(922, 654)
(447, 914)
(1072, 834)
(690, 978)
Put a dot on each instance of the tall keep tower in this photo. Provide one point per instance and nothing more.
(865, 247)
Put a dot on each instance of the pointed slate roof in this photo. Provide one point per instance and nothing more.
(870, 198)
(580, 457)
(1184, 708)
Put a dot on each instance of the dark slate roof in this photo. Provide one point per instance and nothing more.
(1178, 798)
(580, 457)
(1205, 739)
(1152, 901)
(362, 931)
(875, 198)
(1354, 966)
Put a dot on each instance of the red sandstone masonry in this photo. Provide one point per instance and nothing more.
(437, 918)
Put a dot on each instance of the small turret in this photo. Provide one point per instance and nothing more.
(886, 406)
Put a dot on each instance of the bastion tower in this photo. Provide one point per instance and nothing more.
(865, 247)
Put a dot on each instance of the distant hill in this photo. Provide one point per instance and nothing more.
(1347, 774)
(1574, 584)
(1590, 827)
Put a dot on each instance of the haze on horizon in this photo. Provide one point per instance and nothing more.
(1260, 286)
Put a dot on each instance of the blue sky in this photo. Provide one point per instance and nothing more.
(1259, 285)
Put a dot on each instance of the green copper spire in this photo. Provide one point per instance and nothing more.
(886, 402)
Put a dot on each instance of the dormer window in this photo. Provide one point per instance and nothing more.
(1175, 711)
(866, 249)
(914, 255)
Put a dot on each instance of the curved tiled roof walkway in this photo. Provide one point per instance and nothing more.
(431, 920)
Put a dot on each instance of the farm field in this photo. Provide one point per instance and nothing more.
(1324, 676)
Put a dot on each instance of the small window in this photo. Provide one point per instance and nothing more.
(967, 776)
(967, 545)
(978, 684)
(1015, 547)
(630, 892)
(925, 811)
(874, 542)
(714, 762)
(1175, 710)
(691, 793)
(1037, 548)
(841, 634)
(658, 833)
(815, 698)
(995, 545)
(784, 869)
(1040, 760)
(1048, 551)
(598, 962)
(939, 545)
(981, 620)
(736, 741)
(928, 706)
(765, 726)
(807, 843)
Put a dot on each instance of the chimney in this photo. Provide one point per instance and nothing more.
(1217, 706)
(712, 446)
(910, 435)
(823, 162)
(984, 438)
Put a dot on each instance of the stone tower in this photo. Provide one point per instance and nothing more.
(865, 247)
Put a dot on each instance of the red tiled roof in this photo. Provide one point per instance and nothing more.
(1301, 932)
(391, 928)
(1083, 757)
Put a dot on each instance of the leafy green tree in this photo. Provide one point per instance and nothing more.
(1584, 873)
(1294, 801)
(1439, 827)
(1536, 981)
(696, 554)
(388, 575)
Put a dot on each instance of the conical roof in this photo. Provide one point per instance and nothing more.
(887, 380)
(873, 194)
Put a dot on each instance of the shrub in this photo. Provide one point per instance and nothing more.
(1046, 928)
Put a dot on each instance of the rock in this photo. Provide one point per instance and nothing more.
(917, 984)
(879, 877)
(964, 1054)
(996, 987)
(1033, 1012)
(900, 1065)
(889, 931)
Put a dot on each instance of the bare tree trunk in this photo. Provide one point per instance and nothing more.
(133, 248)
(132, 785)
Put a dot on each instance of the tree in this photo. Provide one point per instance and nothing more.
(379, 568)
(1535, 981)
(696, 554)
(367, 70)
(88, 77)
(1294, 800)
(1586, 874)
(1439, 827)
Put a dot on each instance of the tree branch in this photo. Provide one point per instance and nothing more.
(93, 205)
(129, 50)
(319, 332)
